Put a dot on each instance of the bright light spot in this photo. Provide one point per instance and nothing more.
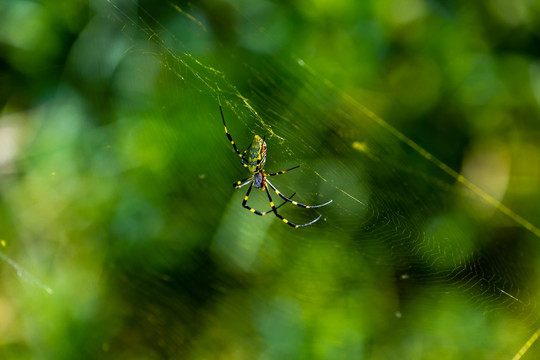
(3, 243)
(405, 11)
(7, 314)
(360, 146)
(8, 144)
(511, 12)
(488, 166)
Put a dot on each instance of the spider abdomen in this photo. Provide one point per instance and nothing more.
(259, 181)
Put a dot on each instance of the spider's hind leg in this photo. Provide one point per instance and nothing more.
(257, 212)
(294, 202)
(274, 209)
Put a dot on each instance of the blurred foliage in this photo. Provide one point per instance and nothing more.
(122, 238)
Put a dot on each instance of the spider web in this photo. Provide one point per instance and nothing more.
(438, 242)
(411, 259)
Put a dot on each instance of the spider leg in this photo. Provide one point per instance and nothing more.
(274, 209)
(282, 172)
(240, 183)
(277, 207)
(244, 203)
(231, 140)
(257, 212)
(244, 161)
(294, 202)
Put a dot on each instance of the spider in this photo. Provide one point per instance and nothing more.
(255, 161)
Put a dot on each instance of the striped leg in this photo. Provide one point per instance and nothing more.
(282, 172)
(243, 182)
(257, 212)
(231, 140)
(274, 209)
(277, 207)
(294, 202)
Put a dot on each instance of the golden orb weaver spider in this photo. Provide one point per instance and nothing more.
(255, 161)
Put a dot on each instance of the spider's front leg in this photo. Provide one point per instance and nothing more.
(243, 182)
(241, 155)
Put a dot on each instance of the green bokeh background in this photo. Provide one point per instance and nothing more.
(122, 237)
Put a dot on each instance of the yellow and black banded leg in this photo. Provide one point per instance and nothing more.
(257, 212)
(274, 209)
(243, 182)
(246, 197)
(294, 202)
(277, 207)
(283, 172)
(232, 141)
